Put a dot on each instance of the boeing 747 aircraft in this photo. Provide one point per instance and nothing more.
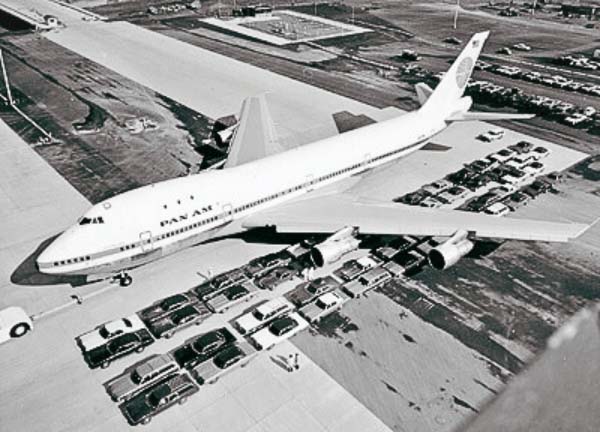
(298, 190)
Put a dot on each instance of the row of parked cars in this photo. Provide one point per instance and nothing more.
(509, 176)
(556, 81)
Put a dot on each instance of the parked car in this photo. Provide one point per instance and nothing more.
(307, 291)
(536, 188)
(280, 329)
(516, 200)
(367, 281)
(119, 346)
(262, 315)
(533, 168)
(351, 269)
(166, 325)
(454, 194)
(431, 202)
(540, 152)
(175, 389)
(150, 371)
(521, 147)
(505, 51)
(497, 209)
(436, 187)
(261, 265)
(276, 277)
(411, 261)
(502, 155)
(231, 296)
(553, 177)
(452, 40)
(202, 347)
(221, 281)
(323, 306)
(210, 371)
(110, 330)
(166, 305)
(491, 135)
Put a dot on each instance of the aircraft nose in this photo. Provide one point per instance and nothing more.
(45, 261)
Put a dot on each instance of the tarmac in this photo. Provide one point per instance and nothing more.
(58, 392)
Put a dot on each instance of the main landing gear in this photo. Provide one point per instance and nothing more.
(123, 278)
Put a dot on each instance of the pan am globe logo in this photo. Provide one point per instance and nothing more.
(463, 71)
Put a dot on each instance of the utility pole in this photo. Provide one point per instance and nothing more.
(6, 83)
(352, 14)
(315, 8)
(456, 14)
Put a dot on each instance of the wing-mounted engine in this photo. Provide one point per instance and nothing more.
(335, 246)
(448, 253)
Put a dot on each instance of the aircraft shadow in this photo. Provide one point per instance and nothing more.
(27, 273)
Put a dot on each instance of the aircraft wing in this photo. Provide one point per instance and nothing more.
(255, 136)
(327, 214)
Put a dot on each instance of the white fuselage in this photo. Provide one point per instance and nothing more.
(146, 223)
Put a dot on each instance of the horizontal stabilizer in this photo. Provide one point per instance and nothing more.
(484, 116)
(423, 92)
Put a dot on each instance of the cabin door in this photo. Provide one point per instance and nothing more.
(227, 213)
(146, 241)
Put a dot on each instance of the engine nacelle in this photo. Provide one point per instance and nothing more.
(447, 254)
(336, 246)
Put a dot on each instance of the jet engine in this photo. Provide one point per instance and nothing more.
(334, 247)
(448, 253)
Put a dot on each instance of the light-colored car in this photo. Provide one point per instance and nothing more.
(323, 306)
(367, 281)
(14, 323)
(522, 47)
(576, 119)
(437, 187)
(232, 296)
(107, 331)
(431, 202)
(262, 315)
(497, 209)
(280, 329)
(491, 135)
(455, 193)
(152, 370)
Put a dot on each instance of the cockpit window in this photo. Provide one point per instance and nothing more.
(87, 220)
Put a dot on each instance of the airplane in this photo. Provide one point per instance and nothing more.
(300, 190)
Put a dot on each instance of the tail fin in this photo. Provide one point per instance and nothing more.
(449, 91)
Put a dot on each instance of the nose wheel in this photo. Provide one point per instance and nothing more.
(124, 279)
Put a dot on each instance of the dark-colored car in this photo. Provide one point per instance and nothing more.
(516, 200)
(259, 266)
(229, 356)
(536, 188)
(308, 291)
(118, 347)
(167, 325)
(483, 201)
(203, 347)
(282, 325)
(413, 198)
(542, 151)
(461, 176)
(175, 389)
(165, 306)
(349, 270)
(521, 147)
(411, 261)
(553, 177)
(276, 277)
